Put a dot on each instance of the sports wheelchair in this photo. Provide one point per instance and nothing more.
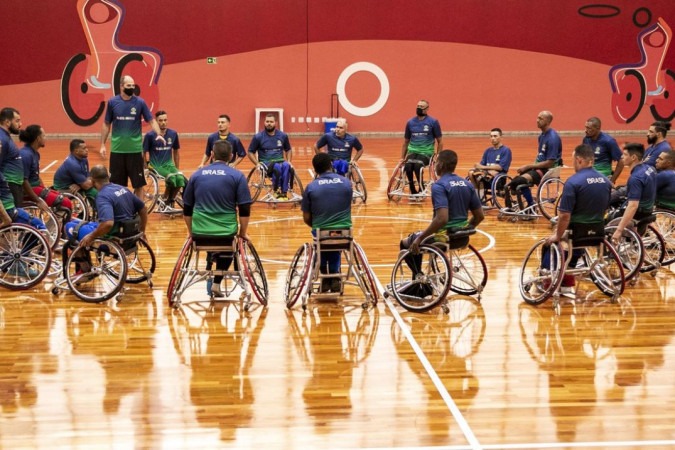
(665, 225)
(421, 282)
(247, 277)
(399, 188)
(25, 256)
(491, 189)
(155, 184)
(359, 191)
(262, 190)
(304, 278)
(545, 266)
(99, 272)
(84, 207)
(549, 190)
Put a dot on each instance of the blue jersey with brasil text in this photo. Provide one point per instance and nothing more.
(458, 196)
(339, 148)
(422, 135)
(329, 199)
(214, 192)
(117, 203)
(271, 147)
(125, 117)
(586, 196)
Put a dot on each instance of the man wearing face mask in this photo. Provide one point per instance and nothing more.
(123, 113)
(418, 146)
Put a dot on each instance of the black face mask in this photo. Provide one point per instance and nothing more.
(421, 112)
(129, 91)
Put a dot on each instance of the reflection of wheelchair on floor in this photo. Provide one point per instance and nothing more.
(25, 256)
(491, 190)
(399, 188)
(247, 277)
(155, 184)
(304, 278)
(549, 189)
(262, 190)
(421, 282)
(545, 267)
(99, 272)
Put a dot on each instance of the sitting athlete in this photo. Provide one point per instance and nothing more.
(275, 154)
(73, 174)
(496, 159)
(340, 146)
(164, 157)
(327, 205)
(34, 188)
(213, 198)
(224, 134)
(582, 207)
(418, 145)
(549, 155)
(665, 180)
(452, 198)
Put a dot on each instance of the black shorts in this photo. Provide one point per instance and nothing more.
(124, 166)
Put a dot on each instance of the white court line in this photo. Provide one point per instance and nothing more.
(541, 445)
(49, 165)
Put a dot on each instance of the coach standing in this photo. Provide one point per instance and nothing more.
(124, 112)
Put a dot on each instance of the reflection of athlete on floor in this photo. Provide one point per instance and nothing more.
(340, 145)
(418, 146)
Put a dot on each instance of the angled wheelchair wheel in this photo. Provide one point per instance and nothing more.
(541, 273)
(150, 190)
(365, 274)
(397, 183)
(25, 257)
(630, 250)
(358, 185)
(298, 277)
(80, 206)
(469, 272)
(499, 190)
(547, 196)
(421, 282)
(140, 262)
(179, 272)
(654, 250)
(665, 225)
(52, 223)
(97, 273)
(606, 269)
(256, 182)
(253, 270)
(295, 189)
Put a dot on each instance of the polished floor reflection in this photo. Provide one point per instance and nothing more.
(488, 374)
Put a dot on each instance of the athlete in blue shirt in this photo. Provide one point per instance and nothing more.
(275, 153)
(211, 200)
(73, 174)
(10, 158)
(418, 145)
(656, 138)
(582, 207)
(327, 205)
(452, 197)
(496, 159)
(223, 133)
(665, 180)
(340, 146)
(640, 190)
(549, 155)
(604, 148)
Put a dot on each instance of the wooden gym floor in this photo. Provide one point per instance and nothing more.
(494, 374)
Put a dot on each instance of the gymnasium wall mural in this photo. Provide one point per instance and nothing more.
(479, 64)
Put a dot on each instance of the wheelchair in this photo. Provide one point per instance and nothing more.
(155, 184)
(262, 190)
(360, 193)
(399, 188)
(304, 278)
(665, 225)
(491, 190)
(421, 282)
(52, 221)
(549, 190)
(246, 277)
(25, 256)
(84, 207)
(99, 272)
(544, 267)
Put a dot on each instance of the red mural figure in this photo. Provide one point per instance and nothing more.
(635, 85)
(88, 80)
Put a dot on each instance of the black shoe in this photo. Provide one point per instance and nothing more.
(335, 285)
(325, 284)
